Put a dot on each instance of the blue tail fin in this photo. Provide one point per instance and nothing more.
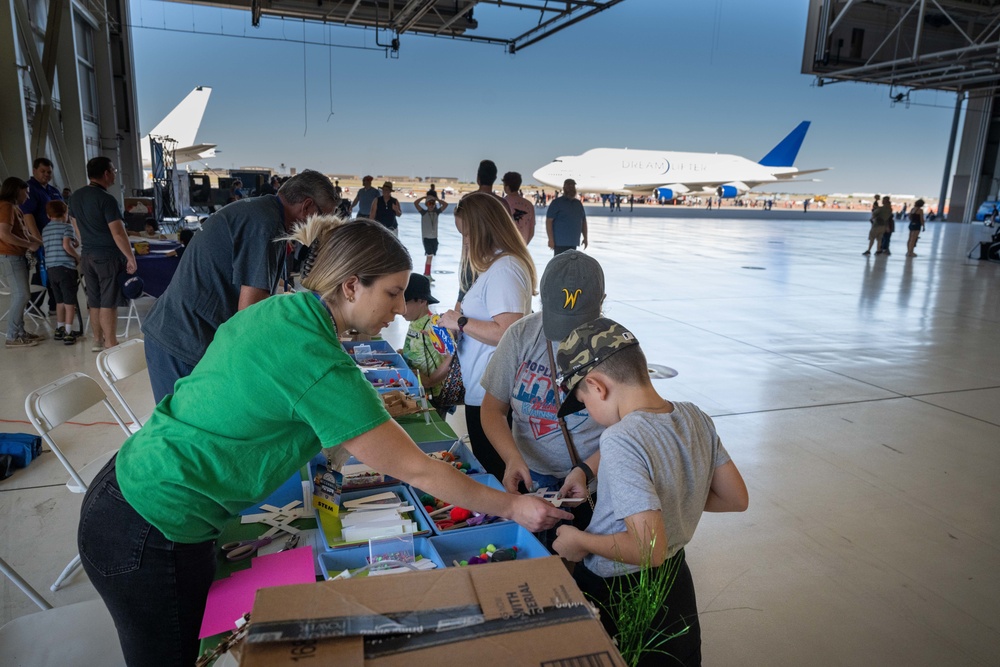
(783, 155)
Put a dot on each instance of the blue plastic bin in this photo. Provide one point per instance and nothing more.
(459, 545)
(331, 525)
(351, 558)
(488, 480)
(385, 375)
(377, 346)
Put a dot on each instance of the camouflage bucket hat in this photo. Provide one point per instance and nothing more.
(586, 347)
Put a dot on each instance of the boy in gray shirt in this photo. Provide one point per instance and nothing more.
(665, 465)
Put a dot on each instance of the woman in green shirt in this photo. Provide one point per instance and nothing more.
(273, 388)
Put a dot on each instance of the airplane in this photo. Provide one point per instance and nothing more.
(181, 126)
(670, 174)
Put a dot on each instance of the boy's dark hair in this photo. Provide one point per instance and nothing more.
(512, 180)
(487, 174)
(185, 236)
(56, 208)
(41, 162)
(627, 366)
(151, 222)
(97, 166)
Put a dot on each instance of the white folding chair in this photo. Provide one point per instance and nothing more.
(53, 405)
(120, 362)
(77, 634)
(132, 314)
(31, 311)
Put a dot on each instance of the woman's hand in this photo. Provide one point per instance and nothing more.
(568, 543)
(449, 320)
(536, 514)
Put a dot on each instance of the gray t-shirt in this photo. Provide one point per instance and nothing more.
(95, 209)
(365, 198)
(519, 374)
(429, 224)
(235, 247)
(567, 220)
(655, 462)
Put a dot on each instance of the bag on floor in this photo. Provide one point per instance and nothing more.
(23, 448)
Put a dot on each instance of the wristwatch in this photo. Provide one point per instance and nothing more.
(462, 321)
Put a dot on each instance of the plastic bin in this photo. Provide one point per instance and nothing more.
(488, 480)
(351, 558)
(331, 525)
(384, 376)
(377, 346)
(459, 545)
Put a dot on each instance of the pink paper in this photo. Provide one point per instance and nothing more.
(230, 598)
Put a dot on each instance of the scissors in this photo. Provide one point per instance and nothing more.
(244, 549)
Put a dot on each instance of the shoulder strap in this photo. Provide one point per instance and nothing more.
(573, 456)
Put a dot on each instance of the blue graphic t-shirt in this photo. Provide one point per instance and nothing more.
(519, 374)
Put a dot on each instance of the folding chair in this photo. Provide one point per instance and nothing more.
(133, 314)
(120, 362)
(53, 405)
(77, 634)
(31, 310)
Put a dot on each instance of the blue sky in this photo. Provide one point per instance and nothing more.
(710, 75)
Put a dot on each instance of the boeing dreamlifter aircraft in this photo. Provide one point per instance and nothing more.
(670, 174)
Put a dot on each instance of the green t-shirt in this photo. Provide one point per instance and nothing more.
(419, 352)
(274, 386)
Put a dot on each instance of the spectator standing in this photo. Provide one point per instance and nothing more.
(916, 226)
(365, 198)
(231, 264)
(890, 227)
(503, 275)
(61, 260)
(566, 220)
(15, 242)
(878, 226)
(486, 176)
(40, 192)
(385, 209)
(106, 252)
(520, 208)
(429, 227)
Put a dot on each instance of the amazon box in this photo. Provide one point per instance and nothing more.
(513, 613)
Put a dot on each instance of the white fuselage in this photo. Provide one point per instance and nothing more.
(625, 171)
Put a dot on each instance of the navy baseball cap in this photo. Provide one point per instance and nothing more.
(132, 286)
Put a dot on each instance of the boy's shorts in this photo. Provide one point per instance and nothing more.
(430, 246)
(103, 285)
(63, 281)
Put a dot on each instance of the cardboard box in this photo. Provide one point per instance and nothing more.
(515, 613)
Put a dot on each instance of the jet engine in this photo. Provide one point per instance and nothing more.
(730, 190)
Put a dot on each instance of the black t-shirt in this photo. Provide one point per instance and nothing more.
(236, 246)
(385, 213)
(95, 209)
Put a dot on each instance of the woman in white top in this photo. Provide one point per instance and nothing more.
(503, 280)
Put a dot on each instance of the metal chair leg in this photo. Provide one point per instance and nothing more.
(66, 573)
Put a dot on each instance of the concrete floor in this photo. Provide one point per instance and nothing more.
(858, 395)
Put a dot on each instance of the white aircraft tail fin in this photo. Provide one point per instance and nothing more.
(183, 122)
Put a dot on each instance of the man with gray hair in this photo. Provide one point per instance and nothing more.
(231, 264)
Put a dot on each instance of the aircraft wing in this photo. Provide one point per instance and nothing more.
(794, 174)
(194, 153)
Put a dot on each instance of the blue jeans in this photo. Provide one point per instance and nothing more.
(164, 369)
(14, 271)
(155, 589)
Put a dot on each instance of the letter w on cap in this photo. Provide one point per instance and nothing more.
(571, 298)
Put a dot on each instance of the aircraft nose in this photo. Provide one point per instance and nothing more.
(543, 174)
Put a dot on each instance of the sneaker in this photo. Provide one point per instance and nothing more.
(78, 335)
(866, 252)
(35, 337)
(98, 346)
(59, 334)
(20, 341)
(68, 339)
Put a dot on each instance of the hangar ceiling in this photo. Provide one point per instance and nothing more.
(450, 19)
(919, 44)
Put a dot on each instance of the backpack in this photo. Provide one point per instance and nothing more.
(21, 447)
